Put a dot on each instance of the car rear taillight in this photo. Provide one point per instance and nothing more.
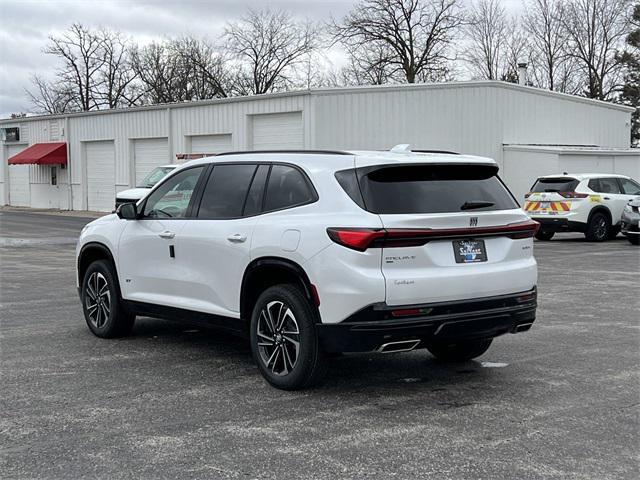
(356, 238)
(573, 194)
(363, 238)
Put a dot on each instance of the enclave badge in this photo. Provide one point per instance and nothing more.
(473, 221)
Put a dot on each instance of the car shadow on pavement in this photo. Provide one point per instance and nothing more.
(347, 373)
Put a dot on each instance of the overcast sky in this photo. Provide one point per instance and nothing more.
(26, 24)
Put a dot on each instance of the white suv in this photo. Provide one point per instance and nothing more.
(591, 203)
(315, 253)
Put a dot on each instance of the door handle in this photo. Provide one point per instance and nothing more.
(167, 234)
(607, 198)
(237, 238)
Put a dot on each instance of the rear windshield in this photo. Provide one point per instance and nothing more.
(411, 189)
(559, 184)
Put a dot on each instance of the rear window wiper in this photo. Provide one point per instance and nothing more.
(476, 204)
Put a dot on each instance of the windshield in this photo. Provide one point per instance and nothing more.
(155, 176)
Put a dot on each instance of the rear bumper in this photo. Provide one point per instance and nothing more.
(559, 224)
(375, 325)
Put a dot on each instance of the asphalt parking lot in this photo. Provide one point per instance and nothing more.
(175, 401)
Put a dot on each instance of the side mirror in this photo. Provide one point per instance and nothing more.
(127, 211)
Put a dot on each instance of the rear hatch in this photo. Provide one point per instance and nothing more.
(451, 232)
(552, 196)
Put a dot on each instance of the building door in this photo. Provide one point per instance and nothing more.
(101, 175)
(149, 153)
(19, 186)
(210, 143)
(277, 131)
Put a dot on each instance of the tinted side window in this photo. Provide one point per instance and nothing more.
(609, 185)
(629, 187)
(225, 192)
(594, 184)
(287, 188)
(253, 205)
(171, 199)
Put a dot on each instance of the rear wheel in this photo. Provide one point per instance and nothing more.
(634, 239)
(284, 342)
(544, 235)
(461, 351)
(598, 228)
(104, 312)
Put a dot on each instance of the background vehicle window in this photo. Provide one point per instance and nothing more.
(434, 189)
(558, 184)
(171, 199)
(287, 188)
(594, 184)
(253, 205)
(226, 191)
(629, 187)
(608, 185)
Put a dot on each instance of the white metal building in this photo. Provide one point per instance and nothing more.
(529, 131)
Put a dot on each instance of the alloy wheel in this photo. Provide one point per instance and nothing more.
(601, 227)
(278, 338)
(98, 299)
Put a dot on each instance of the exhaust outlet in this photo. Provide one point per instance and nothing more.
(396, 347)
(523, 327)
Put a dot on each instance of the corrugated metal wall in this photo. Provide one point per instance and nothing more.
(473, 117)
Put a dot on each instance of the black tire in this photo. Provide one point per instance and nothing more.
(633, 239)
(598, 228)
(108, 317)
(459, 352)
(273, 343)
(544, 235)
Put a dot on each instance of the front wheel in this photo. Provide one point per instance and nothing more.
(459, 352)
(104, 312)
(284, 342)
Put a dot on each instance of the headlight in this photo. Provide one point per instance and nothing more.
(628, 208)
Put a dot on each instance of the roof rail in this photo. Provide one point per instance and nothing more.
(309, 152)
(437, 151)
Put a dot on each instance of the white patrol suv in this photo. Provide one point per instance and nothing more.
(135, 194)
(312, 253)
(591, 203)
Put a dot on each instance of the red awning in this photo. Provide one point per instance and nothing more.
(42, 154)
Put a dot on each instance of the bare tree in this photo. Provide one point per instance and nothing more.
(81, 52)
(543, 21)
(179, 70)
(487, 33)
(418, 33)
(115, 87)
(596, 30)
(269, 45)
(49, 97)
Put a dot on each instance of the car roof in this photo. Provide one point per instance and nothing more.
(342, 159)
(585, 176)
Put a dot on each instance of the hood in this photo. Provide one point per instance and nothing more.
(133, 193)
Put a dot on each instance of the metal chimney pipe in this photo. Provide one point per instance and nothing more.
(522, 73)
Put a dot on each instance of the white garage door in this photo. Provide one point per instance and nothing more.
(277, 131)
(101, 176)
(19, 187)
(211, 143)
(149, 153)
